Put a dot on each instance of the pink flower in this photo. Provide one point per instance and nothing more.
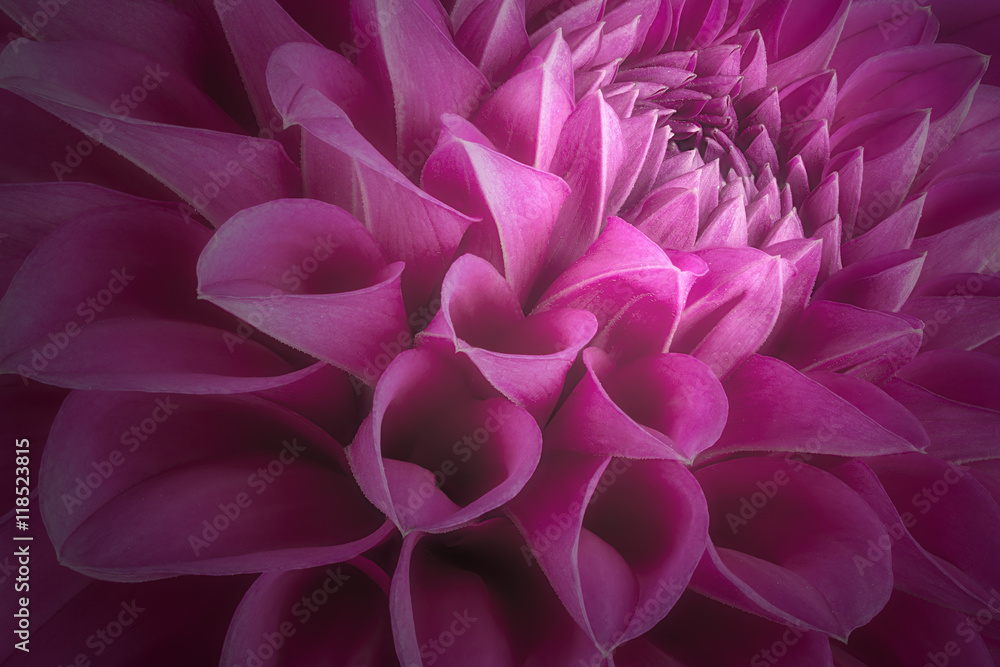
(502, 332)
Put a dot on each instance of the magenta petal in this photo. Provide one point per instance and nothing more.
(868, 344)
(243, 476)
(879, 283)
(216, 172)
(942, 77)
(343, 168)
(918, 570)
(954, 516)
(631, 286)
(253, 33)
(773, 407)
(971, 247)
(912, 631)
(667, 406)
(954, 395)
(417, 66)
(589, 155)
(493, 37)
(478, 587)
(292, 263)
(894, 233)
(124, 315)
(604, 573)
(525, 115)
(960, 312)
(874, 27)
(431, 457)
(701, 632)
(525, 358)
(336, 612)
(164, 32)
(518, 204)
(784, 538)
(732, 309)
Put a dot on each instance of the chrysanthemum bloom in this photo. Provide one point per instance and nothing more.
(502, 332)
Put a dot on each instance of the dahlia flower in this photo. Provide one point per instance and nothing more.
(611, 333)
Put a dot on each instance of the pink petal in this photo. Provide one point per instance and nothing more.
(874, 27)
(343, 168)
(868, 344)
(481, 452)
(493, 37)
(588, 157)
(253, 33)
(667, 406)
(525, 116)
(603, 574)
(732, 309)
(960, 312)
(299, 270)
(337, 612)
(216, 172)
(124, 315)
(417, 66)
(477, 587)
(518, 204)
(954, 395)
(525, 358)
(880, 283)
(243, 475)
(631, 286)
(773, 407)
(784, 537)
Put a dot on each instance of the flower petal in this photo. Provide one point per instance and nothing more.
(481, 452)
(667, 406)
(293, 268)
(784, 537)
(243, 475)
(525, 358)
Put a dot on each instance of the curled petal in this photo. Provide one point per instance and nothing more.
(731, 310)
(519, 205)
(415, 63)
(960, 312)
(633, 288)
(332, 612)
(912, 631)
(493, 37)
(215, 170)
(525, 115)
(244, 477)
(616, 583)
(100, 310)
(525, 358)
(667, 406)
(343, 168)
(433, 458)
(784, 537)
(293, 268)
(479, 584)
(589, 155)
